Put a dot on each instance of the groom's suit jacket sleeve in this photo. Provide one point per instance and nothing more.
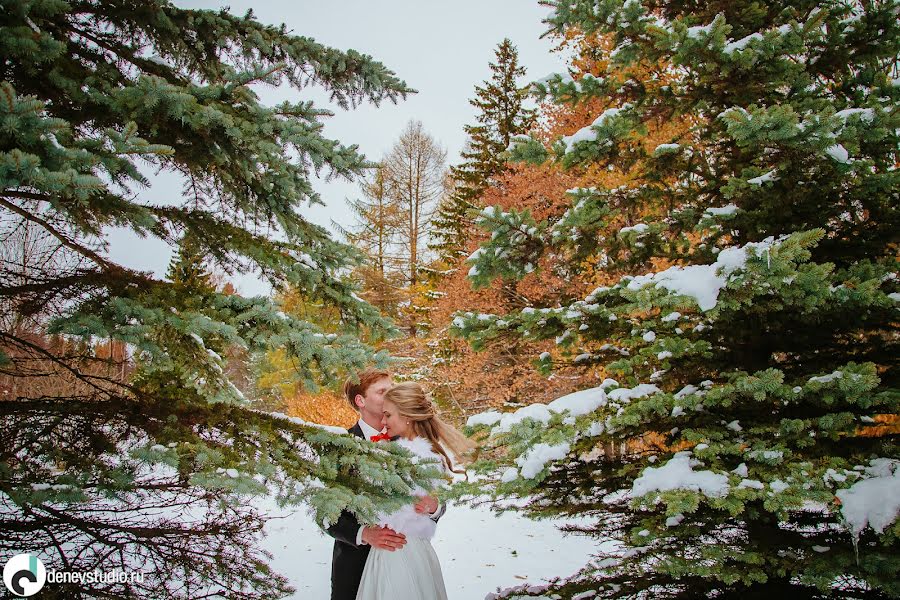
(442, 508)
(345, 529)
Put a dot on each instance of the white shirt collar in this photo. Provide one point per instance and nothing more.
(368, 430)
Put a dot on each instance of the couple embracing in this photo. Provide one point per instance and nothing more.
(393, 559)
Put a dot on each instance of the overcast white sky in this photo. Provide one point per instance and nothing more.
(441, 49)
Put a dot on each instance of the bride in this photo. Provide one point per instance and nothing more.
(412, 572)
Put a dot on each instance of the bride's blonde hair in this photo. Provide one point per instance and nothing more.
(414, 404)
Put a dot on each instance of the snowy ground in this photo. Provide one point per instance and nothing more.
(479, 551)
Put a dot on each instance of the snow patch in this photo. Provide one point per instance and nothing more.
(751, 483)
(702, 282)
(509, 474)
(740, 470)
(873, 502)
(827, 378)
(490, 417)
(666, 149)
(534, 461)
(538, 412)
(580, 403)
(627, 394)
(765, 178)
(589, 134)
(741, 43)
(678, 474)
(639, 228)
(838, 153)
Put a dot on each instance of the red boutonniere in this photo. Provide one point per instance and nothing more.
(381, 437)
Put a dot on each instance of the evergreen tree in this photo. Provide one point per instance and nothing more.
(379, 222)
(149, 473)
(730, 449)
(187, 269)
(500, 118)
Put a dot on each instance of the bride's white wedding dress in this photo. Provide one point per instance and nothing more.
(412, 572)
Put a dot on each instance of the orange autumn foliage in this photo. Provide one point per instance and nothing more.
(325, 407)
(504, 372)
(885, 425)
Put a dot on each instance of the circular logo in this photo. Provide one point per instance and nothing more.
(24, 575)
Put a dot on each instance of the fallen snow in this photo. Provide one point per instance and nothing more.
(538, 412)
(580, 403)
(674, 520)
(509, 474)
(838, 153)
(589, 134)
(873, 502)
(490, 417)
(608, 383)
(740, 470)
(728, 209)
(678, 474)
(666, 149)
(778, 486)
(696, 30)
(307, 260)
(639, 391)
(767, 177)
(751, 483)
(561, 77)
(638, 228)
(534, 461)
(577, 403)
(741, 43)
(478, 551)
(867, 115)
(827, 378)
(702, 282)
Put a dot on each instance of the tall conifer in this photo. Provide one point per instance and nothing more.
(501, 116)
(732, 447)
(149, 473)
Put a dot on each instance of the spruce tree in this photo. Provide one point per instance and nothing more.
(379, 220)
(149, 473)
(750, 342)
(188, 269)
(501, 116)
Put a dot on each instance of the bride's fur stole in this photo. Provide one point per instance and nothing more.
(406, 520)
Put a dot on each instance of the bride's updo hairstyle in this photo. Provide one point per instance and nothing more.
(415, 405)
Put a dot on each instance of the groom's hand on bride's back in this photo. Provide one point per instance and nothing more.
(383, 537)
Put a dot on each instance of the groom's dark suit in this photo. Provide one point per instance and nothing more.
(349, 559)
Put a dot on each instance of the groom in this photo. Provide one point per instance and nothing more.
(351, 540)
